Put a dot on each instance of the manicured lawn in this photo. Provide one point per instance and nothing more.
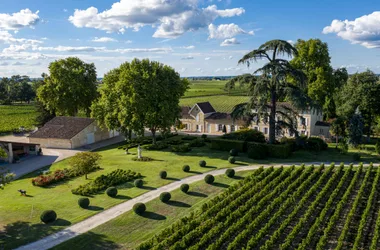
(221, 103)
(208, 88)
(15, 116)
(129, 230)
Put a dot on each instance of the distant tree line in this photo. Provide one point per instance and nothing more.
(17, 89)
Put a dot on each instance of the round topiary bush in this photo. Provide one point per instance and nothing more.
(185, 188)
(111, 192)
(163, 174)
(186, 168)
(209, 179)
(165, 196)
(231, 159)
(234, 152)
(139, 208)
(84, 202)
(230, 172)
(202, 163)
(48, 216)
(138, 183)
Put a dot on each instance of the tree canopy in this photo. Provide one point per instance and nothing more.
(16, 89)
(70, 87)
(85, 162)
(140, 94)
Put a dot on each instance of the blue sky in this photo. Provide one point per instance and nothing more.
(196, 37)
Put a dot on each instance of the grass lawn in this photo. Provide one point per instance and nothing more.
(221, 103)
(126, 230)
(15, 116)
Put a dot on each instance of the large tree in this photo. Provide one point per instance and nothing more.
(70, 87)
(140, 94)
(278, 81)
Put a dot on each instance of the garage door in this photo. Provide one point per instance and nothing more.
(90, 138)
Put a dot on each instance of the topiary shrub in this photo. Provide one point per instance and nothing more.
(185, 188)
(111, 192)
(230, 173)
(356, 157)
(138, 183)
(204, 136)
(202, 163)
(143, 158)
(231, 159)
(163, 174)
(186, 168)
(139, 208)
(234, 152)
(209, 179)
(48, 216)
(184, 148)
(257, 150)
(227, 145)
(165, 196)
(249, 135)
(84, 202)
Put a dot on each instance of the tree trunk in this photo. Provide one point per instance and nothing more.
(153, 135)
(139, 152)
(272, 118)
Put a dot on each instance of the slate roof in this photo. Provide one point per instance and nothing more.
(206, 107)
(62, 127)
(322, 124)
(185, 113)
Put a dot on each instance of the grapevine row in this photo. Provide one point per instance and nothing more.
(376, 235)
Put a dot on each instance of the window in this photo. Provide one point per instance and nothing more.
(197, 117)
(32, 148)
(257, 128)
(266, 131)
(232, 128)
(220, 127)
(197, 127)
(321, 131)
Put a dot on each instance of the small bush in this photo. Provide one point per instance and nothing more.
(202, 163)
(48, 216)
(257, 150)
(234, 152)
(138, 183)
(139, 208)
(227, 145)
(356, 157)
(143, 158)
(165, 196)
(163, 174)
(184, 148)
(343, 147)
(84, 202)
(197, 143)
(204, 136)
(231, 160)
(185, 188)
(279, 151)
(230, 172)
(209, 179)
(157, 146)
(111, 192)
(248, 135)
(316, 144)
(189, 138)
(186, 168)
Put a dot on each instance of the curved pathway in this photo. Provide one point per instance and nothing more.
(113, 212)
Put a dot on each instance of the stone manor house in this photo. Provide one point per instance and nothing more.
(202, 118)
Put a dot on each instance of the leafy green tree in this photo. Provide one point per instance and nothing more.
(70, 87)
(273, 86)
(140, 94)
(3, 154)
(243, 81)
(85, 162)
(338, 128)
(355, 130)
(44, 115)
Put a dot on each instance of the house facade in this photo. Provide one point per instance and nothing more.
(202, 118)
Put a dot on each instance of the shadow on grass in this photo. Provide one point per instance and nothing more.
(61, 222)
(95, 208)
(89, 240)
(238, 177)
(153, 216)
(148, 188)
(29, 196)
(222, 185)
(172, 179)
(240, 164)
(178, 204)
(195, 172)
(123, 197)
(209, 167)
(197, 194)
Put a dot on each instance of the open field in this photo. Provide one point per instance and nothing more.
(221, 103)
(15, 116)
(210, 88)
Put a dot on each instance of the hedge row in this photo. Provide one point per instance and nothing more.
(262, 151)
(227, 145)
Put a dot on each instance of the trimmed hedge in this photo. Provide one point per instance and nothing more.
(138, 183)
(248, 135)
(209, 179)
(165, 196)
(163, 174)
(139, 208)
(48, 216)
(186, 168)
(185, 188)
(231, 159)
(227, 145)
(184, 148)
(84, 202)
(230, 172)
(257, 151)
(202, 163)
(111, 192)
(262, 151)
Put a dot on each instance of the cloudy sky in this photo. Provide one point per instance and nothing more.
(196, 37)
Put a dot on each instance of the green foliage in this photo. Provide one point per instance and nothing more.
(163, 174)
(139, 208)
(143, 158)
(84, 202)
(3, 154)
(343, 146)
(221, 103)
(203, 136)
(227, 145)
(262, 151)
(377, 146)
(338, 127)
(234, 152)
(356, 157)
(231, 159)
(13, 117)
(230, 172)
(48, 216)
(85, 162)
(189, 138)
(111, 192)
(249, 135)
(165, 197)
(355, 130)
(209, 179)
(138, 183)
(186, 168)
(197, 143)
(202, 163)
(157, 146)
(257, 150)
(185, 188)
(316, 144)
(184, 148)
(16, 89)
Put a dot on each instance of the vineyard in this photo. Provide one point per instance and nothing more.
(332, 207)
(210, 88)
(15, 116)
(221, 103)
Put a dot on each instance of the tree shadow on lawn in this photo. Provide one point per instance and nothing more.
(89, 240)
(178, 204)
(95, 208)
(222, 185)
(238, 177)
(60, 222)
(195, 172)
(148, 188)
(172, 179)
(123, 197)
(210, 167)
(197, 194)
(153, 216)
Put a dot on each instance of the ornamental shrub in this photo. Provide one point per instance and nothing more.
(184, 148)
(143, 158)
(227, 145)
(157, 146)
(84, 202)
(138, 183)
(316, 144)
(163, 174)
(197, 143)
(231, 160)
(209, 179)
(257, 150)
(279, 151)
(186, 168)
(202, 163)
(139, 208)
(165, 196)
(111, 192)
(356, 157)
(204, 136)
(234, 152)
(189, 138)
(185, 188)
(48, 216)
(248, 135)
(230, 172)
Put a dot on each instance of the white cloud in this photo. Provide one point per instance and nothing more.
(102, 49)
(18, 64)
(8, 38)
(173, 18)
(364, 30)
(188, 47)
(187, 58)
(128, 42)
(207, 58)
(16, 21)
(4, 64)
(224, 31)
(229, 42)
(103, 39)
(217, 70)
(230, 57)
(65, 10)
